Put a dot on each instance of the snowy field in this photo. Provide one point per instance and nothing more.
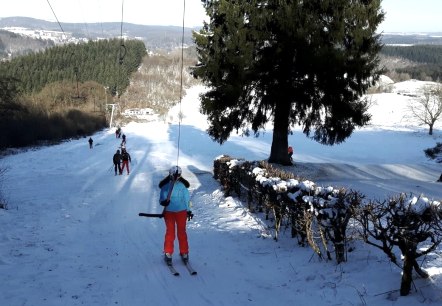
(72, 235)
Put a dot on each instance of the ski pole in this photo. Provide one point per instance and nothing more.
(150, 215)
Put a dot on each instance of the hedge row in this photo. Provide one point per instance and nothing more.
(316, 216)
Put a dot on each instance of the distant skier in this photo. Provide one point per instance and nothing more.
(91, 141)
(123, 142)
(125, 157)
(175, 198)
(118, 132)
(117, 162)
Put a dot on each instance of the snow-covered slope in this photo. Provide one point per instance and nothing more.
(72, 235)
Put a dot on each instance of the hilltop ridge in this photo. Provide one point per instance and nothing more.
(154, 37)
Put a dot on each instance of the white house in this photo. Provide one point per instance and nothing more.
(142, 113)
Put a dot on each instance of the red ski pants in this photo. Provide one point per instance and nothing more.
(125, 164)
(175, 219)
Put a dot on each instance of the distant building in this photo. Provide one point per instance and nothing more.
(142, 113)
(56, 36)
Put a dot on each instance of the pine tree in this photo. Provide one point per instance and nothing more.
(292, 62)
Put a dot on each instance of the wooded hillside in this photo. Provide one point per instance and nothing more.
(424, 62)
(108, 62)
(60, 92)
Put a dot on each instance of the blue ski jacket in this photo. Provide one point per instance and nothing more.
(179, 199)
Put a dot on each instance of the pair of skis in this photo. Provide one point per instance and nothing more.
(187, 264)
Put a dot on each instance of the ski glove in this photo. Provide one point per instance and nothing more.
(189, 215)
(165, 202)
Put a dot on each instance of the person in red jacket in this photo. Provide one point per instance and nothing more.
(290, 152)
(125, 157)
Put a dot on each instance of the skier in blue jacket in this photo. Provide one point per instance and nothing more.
(175, 198)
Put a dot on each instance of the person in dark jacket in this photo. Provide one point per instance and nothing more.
(125, 157)
(91, 141)
(117, 162)
(118, 132)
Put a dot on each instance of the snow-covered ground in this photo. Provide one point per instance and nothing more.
(72, 235)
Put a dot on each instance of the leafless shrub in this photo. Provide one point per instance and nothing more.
(427, 110)
(404, 221)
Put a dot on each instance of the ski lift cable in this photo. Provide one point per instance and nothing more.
(122, 8)
(122, 50)
(181, 86)
(65, 37)
(59, 24)
(122, 46)
(101, 17)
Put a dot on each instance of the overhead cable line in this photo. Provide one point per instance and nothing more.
(181, 85)
(122, 50)
(101, 18)
(56, 18)
(122, 9)
(70, 58)
(122, 46)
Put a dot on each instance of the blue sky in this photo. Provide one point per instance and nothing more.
(402, 15)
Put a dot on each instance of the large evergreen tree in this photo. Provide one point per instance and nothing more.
(294, 62)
